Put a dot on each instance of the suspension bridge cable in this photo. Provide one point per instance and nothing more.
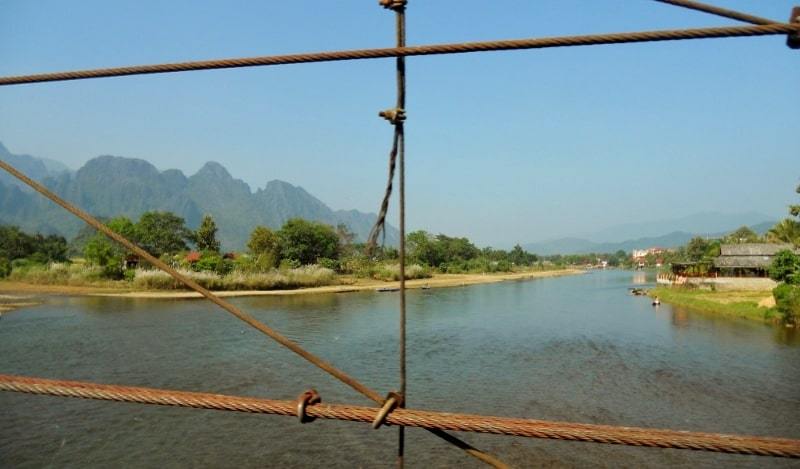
(606, 434)
(436, 49)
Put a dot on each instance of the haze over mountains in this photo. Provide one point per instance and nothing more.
(109, 186)
(707, 224)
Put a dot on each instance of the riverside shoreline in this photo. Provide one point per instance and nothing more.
(752, 305)
(437, 281)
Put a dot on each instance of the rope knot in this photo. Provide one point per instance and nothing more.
(396, 5)
(793, 39)
(394, 116)
(393, 401)
(304, 400)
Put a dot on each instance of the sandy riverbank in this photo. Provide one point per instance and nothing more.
(437, 281)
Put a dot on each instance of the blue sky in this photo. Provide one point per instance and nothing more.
(502, 147)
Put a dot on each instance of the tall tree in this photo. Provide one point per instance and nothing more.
(162, 232)
(308, 241)
(102, 251)
(206, 236)
(742, 235)
(696, 248)
(795, 209)
(785, 231)
(265, 246)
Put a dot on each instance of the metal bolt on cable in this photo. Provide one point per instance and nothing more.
(393, 401)
(394, 115)
(395, 5)
(304, 400)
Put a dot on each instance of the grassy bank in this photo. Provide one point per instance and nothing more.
(742, 304)
(84, 275)
(157, 286)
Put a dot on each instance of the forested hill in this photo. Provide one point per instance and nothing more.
(109, 186)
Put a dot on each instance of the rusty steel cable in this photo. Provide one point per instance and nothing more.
(227, 306)
(715, 10)
(435, 49)
(606, 434)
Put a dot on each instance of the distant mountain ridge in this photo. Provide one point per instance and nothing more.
(702, 223)
(36, 168)
(670, 240)
(109, 186)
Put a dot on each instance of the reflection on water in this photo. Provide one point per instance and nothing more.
(575, 348)
(639, 277)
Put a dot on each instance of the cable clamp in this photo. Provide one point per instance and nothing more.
(393, 400)
(396, 5)
(304, 400)
(793, 39)
(394, 116)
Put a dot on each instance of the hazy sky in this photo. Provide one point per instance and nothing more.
(502, 147)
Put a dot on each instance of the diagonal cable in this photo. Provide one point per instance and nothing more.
(715, 10)
(227, 306)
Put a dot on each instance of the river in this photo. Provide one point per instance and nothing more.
(572, 348)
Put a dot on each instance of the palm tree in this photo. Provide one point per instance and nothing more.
(787, 231)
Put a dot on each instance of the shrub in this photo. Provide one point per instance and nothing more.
(328, 263)
(57, 273)
(288, 264)
(211, 261)
(787, 302)
(5, 267)
(785, 267)
(307, 276)
(392, 272)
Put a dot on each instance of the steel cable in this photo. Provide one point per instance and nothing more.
(436, 49)
(715, 10)
(606, 434)
(229, 307)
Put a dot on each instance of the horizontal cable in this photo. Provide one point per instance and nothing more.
(455, 48)
(715, 10)
(632, 436)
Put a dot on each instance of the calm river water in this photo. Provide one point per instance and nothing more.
(573, 348)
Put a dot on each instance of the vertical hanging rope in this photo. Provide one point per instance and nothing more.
(401, 155)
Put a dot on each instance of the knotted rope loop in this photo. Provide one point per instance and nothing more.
(394, 116)
(393, 401)
(793, 39)
(304, 400)
(396, 5)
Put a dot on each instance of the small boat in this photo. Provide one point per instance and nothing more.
(387, 289)
(426, 287)
(656, 301)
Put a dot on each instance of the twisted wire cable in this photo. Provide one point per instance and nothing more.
(436, 49)
(606, 434)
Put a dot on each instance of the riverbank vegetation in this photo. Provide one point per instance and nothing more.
(300, 254)
(699, 255)
(742, 304)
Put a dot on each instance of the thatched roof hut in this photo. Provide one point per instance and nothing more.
(755, 256)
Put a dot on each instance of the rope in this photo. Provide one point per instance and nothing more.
(454, 48)
(278, 337)
(380, 222)
(630, 436)
(715, 10)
